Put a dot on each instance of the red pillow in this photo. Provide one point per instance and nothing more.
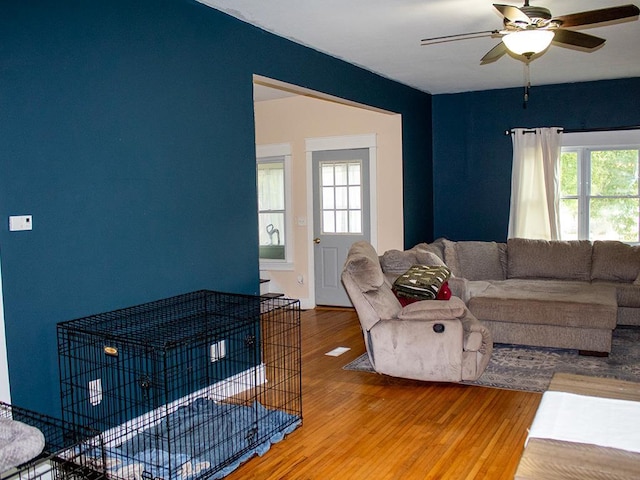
(444, 293)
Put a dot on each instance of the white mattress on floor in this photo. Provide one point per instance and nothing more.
(583, 419)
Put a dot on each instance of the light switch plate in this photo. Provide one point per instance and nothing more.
(20, 222)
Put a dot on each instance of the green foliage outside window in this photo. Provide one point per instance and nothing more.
(611, 193)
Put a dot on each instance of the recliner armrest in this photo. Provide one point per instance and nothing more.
(433, 310)
(477, 337)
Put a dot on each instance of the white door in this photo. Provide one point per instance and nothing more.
(341, 216)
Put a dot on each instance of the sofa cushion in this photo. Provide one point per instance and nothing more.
(570, 260)
(429, 258)
(616, 261)
(627, 294)
(547, 302)
(398, 262)
(436, 247)
(480, 260)
(451, 257)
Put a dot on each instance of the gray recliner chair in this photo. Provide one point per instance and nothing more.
(433, 340)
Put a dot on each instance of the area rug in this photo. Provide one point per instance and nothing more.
(518, 367)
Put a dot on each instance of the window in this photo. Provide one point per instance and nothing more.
(341, 197)
(599, 187)
(273, 172)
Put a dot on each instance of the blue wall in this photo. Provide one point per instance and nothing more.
(472, 156)
(127, 132)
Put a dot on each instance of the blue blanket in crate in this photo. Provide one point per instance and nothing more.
(202, 438)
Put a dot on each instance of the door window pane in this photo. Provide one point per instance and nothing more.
(341, 174)
(327, 175)
(355, 198)
(342, 201)
(328, 202)
(355, 221)
(342, 221)
(329, 221)
(341, 197)
(354, 174)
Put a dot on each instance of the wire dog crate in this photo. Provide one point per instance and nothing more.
(62, 451)
(184, 387)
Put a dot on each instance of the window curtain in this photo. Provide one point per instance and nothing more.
(534, 183)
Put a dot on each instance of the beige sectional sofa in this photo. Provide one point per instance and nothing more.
(564, 294)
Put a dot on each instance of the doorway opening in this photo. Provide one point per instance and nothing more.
(309, 122)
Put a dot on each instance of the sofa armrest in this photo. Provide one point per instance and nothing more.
(459, 287)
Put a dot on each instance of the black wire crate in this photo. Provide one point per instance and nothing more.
(35, 446)
(184, 387)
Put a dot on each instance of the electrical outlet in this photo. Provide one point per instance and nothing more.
(95, 392)
(217, 351)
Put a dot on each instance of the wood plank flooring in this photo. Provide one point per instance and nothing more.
(366, 426)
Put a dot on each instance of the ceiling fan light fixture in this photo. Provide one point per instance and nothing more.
(528, 42)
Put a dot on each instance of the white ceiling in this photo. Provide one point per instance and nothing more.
(384, 36)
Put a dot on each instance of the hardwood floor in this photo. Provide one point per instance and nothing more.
(366, 426)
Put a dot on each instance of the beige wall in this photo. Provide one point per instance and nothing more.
(293, 120)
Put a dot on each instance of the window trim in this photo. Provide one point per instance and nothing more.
(280, 150)
(583, 143)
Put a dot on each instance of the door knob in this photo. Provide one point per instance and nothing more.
(316, 240)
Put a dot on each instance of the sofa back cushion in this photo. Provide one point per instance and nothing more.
(615, 261)
(397, 262)
(476, 260)
(529, 258)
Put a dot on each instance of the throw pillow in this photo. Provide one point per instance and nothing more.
(444, 293)
(421, 281)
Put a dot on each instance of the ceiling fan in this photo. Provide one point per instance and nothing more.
(529, 30)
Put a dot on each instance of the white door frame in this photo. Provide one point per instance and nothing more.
(339, 143)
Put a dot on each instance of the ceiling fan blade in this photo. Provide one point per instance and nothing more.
(494, 54)
(578, 39)
(512, 13)
(598, 16)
